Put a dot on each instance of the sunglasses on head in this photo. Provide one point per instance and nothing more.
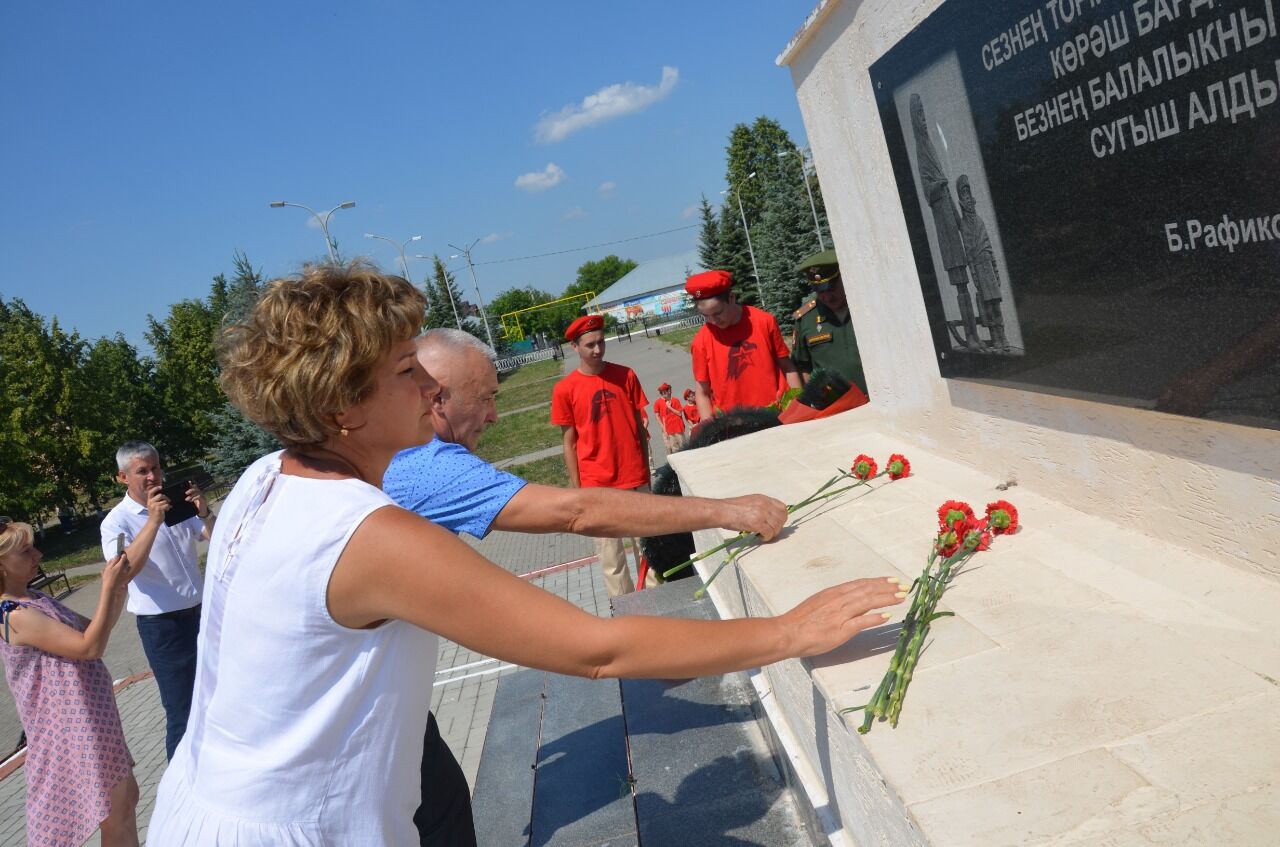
(4, 523)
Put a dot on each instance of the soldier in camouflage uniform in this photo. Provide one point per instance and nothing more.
(823, 330)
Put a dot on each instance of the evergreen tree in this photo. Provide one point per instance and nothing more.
(446, 298)
(784, 237)
(734, 256)
(709, 236)
(755, 150)
(237, 443)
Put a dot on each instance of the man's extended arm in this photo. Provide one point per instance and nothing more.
(607, 513)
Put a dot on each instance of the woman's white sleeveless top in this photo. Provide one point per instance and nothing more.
(302, 731)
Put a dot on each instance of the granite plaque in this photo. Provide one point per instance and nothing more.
(1091, 193)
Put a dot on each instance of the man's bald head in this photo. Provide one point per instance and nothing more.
(463, 365)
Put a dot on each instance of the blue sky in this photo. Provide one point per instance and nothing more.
(144, 141)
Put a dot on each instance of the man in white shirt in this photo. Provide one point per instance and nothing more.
(165, 594)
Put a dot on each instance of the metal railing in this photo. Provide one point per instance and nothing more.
(510, 363)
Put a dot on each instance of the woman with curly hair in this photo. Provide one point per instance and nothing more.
(323, 599)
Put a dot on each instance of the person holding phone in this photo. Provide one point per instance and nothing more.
(165, 593)
(78, 769)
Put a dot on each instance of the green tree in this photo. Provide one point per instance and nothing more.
(445, 296)
(596, 276)
(186, 367)
(755, 150)
(709, 236)
(231, 301)
(515, 299)
(115, 403)
(785, 236)
(237, 443)
(186, 378)
(38, 372)
(735, 256)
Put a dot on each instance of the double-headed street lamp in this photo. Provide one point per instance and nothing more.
(804, 177)
(466, 251)
(323, 219)
(399, 246)
(747, 230)
(449, 290)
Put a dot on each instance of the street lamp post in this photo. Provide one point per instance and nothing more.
(804, 176)
(466, 251)
(449, 290)
(750, 252)
(403, 261)
(323, 219)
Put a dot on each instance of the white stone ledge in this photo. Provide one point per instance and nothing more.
(1095, 687)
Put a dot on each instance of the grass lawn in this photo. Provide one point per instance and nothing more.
(549, 471)
(519, 433)
(528, 386)
(681, 338)
(532, 373)
(62, 551)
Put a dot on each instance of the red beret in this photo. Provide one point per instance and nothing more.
(708, 284)
(586, 323)
(664, 387)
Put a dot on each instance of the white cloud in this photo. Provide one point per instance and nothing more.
(494, 236)
(690, 211)
(606, 189)
(573, 212)
(549, 177)
(612, 101)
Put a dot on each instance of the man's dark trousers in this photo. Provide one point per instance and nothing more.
(444, 818)
(169, 640)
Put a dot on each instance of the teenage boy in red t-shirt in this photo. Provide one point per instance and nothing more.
(671, 416)
(599, 407)
(739, 357)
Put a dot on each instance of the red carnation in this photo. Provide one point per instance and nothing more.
(898, 466)
(977, 535)
(1002, 517)
(864, 467)
(954, 512)
(948, 543)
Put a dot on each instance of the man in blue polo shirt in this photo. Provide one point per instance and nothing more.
(449, 485)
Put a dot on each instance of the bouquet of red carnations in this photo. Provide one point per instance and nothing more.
(961, 535)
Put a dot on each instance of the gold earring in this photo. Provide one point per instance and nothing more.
(344, 432)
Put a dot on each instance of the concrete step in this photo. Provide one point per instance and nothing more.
(703, 763)
(571, 762)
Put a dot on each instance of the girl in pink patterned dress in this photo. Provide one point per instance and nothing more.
(78, 769)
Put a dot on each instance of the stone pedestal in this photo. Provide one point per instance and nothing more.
(1097, 686)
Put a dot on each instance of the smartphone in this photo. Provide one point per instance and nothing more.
(119, 544)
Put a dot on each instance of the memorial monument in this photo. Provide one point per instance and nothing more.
(1111, 675)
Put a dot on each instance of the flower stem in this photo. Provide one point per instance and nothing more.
(820, 494)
